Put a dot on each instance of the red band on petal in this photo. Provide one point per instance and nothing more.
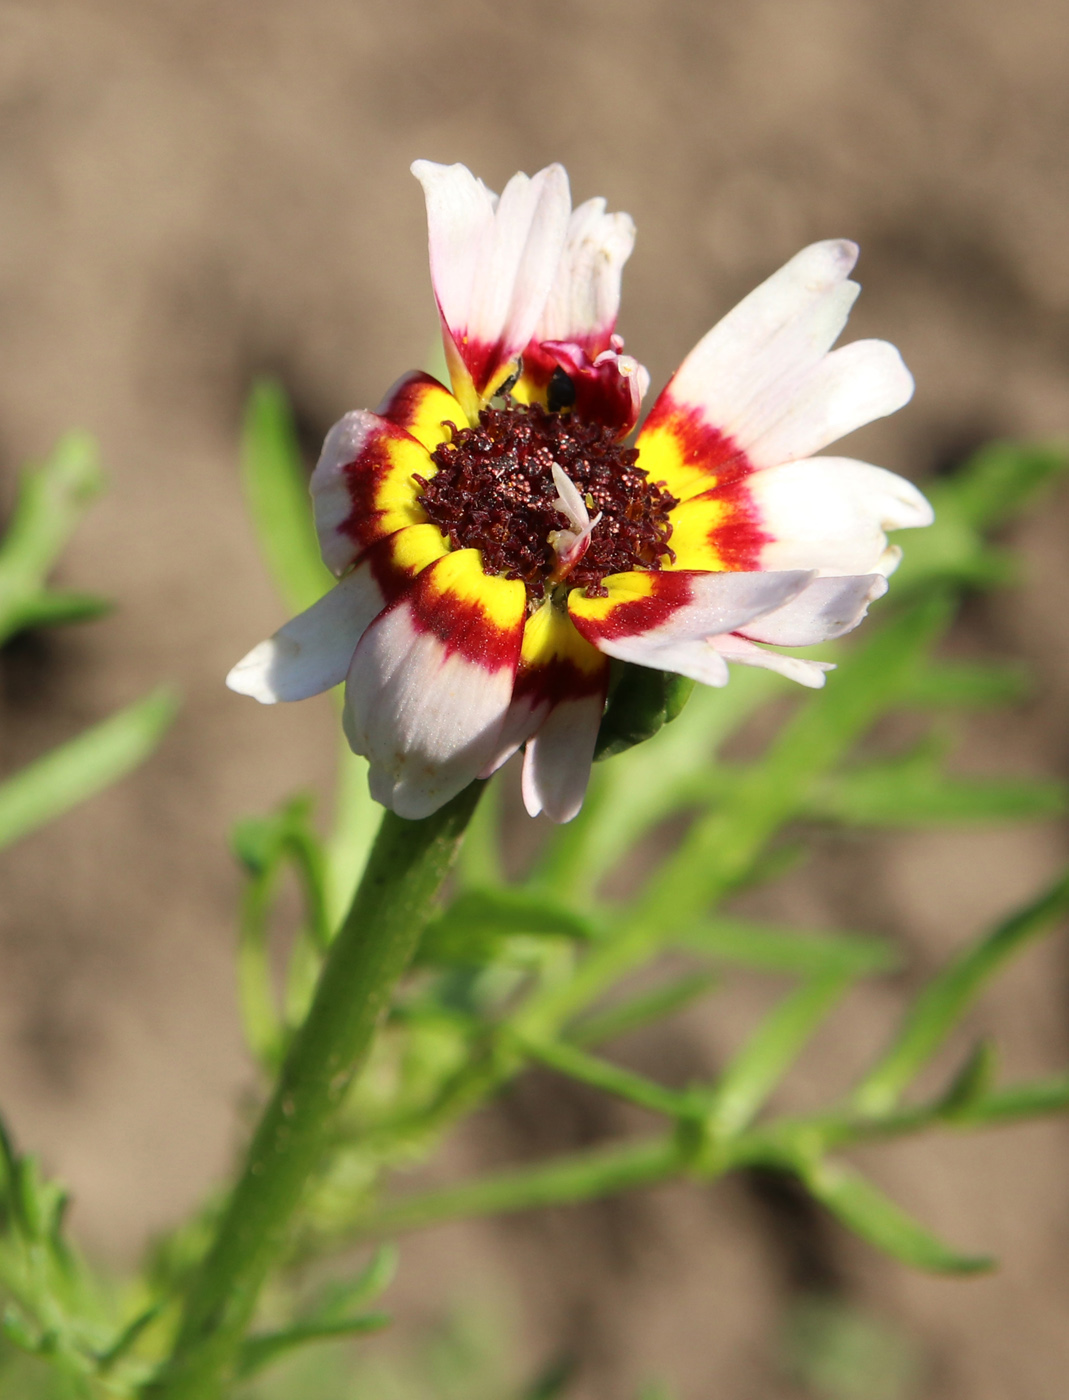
(704, 464)
(559, 678)
(382, 494)
(485, 631)
(632, 616)
(419, 405)
(700, 445)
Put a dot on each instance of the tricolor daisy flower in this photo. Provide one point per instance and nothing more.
(497, 543)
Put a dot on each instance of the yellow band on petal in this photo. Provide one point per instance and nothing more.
(693, 539)
(461, 575)
(425, 408)
(662, 456)
(550, 636)
(400, 459)
(413, 549)
(632, 587)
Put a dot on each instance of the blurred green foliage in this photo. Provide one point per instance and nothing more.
(538, 968)
(57, 1328)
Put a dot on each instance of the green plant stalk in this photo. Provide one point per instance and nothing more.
(789, 1144)
(405, 871)
(725, 843)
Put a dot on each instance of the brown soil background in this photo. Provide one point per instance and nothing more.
(191, 194)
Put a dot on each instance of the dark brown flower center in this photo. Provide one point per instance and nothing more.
(494, 491)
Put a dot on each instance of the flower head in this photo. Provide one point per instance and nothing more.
(497, 543)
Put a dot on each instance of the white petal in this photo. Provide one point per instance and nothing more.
(775, 335)
(741, 652)
(427, 720)
(493, 264)
(585, 298)
(312, 652)
(556, 763)
(848, 388)
(331, 492)
(693, 657)
(525, 715)
(719, 603)
(825, 608)
(830, 513)
(889, 560)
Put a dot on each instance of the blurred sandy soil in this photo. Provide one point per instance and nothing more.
(191, 194)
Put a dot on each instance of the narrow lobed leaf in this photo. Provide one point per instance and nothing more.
(257, 1352)
(631, 1015)
(999, 480)
(1017, 1101)
(972, 1082)
(276, 489)
(968, 685)
(943, 1001)
(553, 1382)
(78, 769)
(613, 1079)
(471, 929)
(770, 1051)
(863, 1208)
(52, 499)
(780, 948)
(342, 1297)
(911, 795)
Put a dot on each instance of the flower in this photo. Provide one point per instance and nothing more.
(497, 544)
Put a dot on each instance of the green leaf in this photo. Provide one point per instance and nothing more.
(78, 769)
(260, 1351)
(782, 949)
(628, 797)
(1002, 478)
(643, 701)
(8, 1161)
(911, 793)
(29, 1198)
(656, 1390)
(276, 489)
(943, 1001)
(340, 1298)
(995, 484)
(1018, 1101)
(639, 1011)
(869, 1213)
(968, 685)
(971, 1083)
(613, 1079)
(265, 845)
(769, 1053)
(720, 849)
(553, 1382)
(52, 609)
(52, 498)
(15, 1329)
(472, 928)
(128, 1337)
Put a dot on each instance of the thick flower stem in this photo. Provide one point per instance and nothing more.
(406, 868)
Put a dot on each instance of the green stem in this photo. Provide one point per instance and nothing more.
(604, 1171)
(567, 1181)
(406, 868)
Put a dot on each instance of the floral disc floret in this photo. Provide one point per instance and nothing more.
(495, 491)
(492, 561)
